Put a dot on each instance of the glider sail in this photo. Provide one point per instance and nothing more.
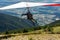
(31, 4)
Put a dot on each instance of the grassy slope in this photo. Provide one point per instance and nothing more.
(8, 22)
(37, 37)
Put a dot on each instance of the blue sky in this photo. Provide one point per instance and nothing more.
(30, 0)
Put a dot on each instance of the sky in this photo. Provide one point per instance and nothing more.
(30, 0)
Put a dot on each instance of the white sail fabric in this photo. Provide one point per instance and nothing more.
(24, 4)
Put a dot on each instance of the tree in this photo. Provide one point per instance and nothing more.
(25, 30)
(6, 32)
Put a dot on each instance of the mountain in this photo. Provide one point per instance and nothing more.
(8, 22)
(8, 13)
(54, 24)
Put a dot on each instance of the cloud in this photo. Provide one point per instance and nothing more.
(57, 18)
(56, 0)
(44, 18)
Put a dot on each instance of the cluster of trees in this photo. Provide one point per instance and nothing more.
(24, 30)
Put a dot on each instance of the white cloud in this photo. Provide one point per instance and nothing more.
(56, 0)
(44, 18)
(57, 18)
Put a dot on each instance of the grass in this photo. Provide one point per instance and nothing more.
(30, 39)
(36, 35)
(56, 29)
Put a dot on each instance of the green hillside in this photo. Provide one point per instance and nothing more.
(54, 24)
(8, 22)
(53, 27)
(14, 24)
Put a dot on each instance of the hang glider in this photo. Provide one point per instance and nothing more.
(30, 4)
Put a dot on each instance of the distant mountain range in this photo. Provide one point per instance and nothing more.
(8, 22)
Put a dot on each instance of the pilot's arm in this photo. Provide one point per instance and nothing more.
(23, 14)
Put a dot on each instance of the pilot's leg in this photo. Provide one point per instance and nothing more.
(33, 22)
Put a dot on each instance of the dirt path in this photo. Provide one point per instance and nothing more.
(36, 37)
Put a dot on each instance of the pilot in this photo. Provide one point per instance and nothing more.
(29, 16)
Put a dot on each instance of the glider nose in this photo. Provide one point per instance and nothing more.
(53, 5)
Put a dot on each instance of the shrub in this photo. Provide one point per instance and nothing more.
(6, 32)
(30, 39)
(25, 30)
